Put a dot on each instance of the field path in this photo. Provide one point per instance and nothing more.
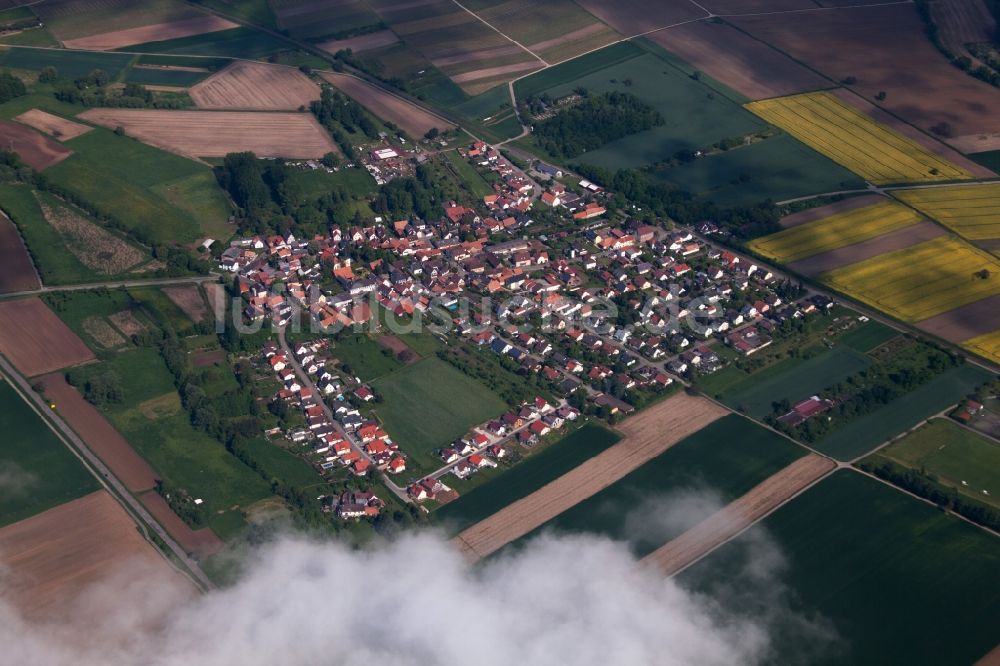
(732, 519)
(647, 435)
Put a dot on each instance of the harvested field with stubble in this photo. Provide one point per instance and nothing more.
(258, 86)
(972, 211)
(646, 436)
(17, 272)
(216, 133)
(54, 126)
(37, 150)
(157, 32)
(732, 519)
(412, 119)
(98, 434)
(189, 300)
(36, 341)
(875, 152)
(202, 542)
(98, 249)
(838, 230)
(739, 61)
(51, 559)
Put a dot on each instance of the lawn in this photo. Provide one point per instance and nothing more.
(364, 357)
(357, 183)
(233, 43)
(430, 404)
(162, 196)
(161, 309)
(37, 471)
(69, 64)
(867, 336)
(865, 433)
(953, 455)
(164, 77)
(526, 477)
(795, 381)
(898, 581)
(682, 486)
(281, 464)
(471, 179)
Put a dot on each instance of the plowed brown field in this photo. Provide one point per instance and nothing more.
(107, 41)
(215, 133)
(201, 542)
(52, 125)
(36, 341)
(17, 272)
(740, 514)
(37, 150)
(411, 118)
(647, 435)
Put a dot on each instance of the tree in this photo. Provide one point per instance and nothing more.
(432, 134)
(10, 87)
(880, 96)
(48, 74)
(331, 160)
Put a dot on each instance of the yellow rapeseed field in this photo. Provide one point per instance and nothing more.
(855, 141)
(970, 210)
(987, 346)
(835, 231)
(921, 281)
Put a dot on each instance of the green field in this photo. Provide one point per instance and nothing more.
(37, 471)
(282, 464)
(793, 380)
(69, 64)
(471, 179)
(867, 336)
(899, 581)
(565, 74)
(680, 487)
(211, 64)
(430, 404)
(162, 309)
(234, 43)
(953, 455)
(315, 184)
(526, 477)
(366, 358)
(73, 307)
(163, 196)
(865, 433)
(164, 77)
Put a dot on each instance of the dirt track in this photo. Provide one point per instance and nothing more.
(410, 118)
(37, 150)
(54, 556)
(17, 273)
(158, 32)
(99, 435)
(258, 86)
(216, 133)
(52, 125)
(647, 435)
(733, 518)
(36, 341)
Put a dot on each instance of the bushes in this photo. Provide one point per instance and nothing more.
(10, 87)
(595, 122)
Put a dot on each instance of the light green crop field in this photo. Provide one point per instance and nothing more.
(37, 471)
(873, 566)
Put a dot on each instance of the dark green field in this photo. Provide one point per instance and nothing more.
(429, 404)
(314, 184)
(37, 471)
(682, 486)
(162, 309)
(166, 197)
(990, 159)
(526, 477)
(69, 64)
(233, 43)
(796, 381)
(164, 77)
(566, 73)
(865, 433)
(867, 336)
(282, 464)
(365, 357)
(899, 581)
(73, 307)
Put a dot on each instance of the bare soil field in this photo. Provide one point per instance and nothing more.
(188, 299)
(870, 43)
(98, 249)
(201, 542)
(52, 125)
(215, 133)
(53, 558)
(965, 322)
(197, 25)
(217, 298)
(398, 347)
(842, 206)
(203, 359)
(17, 272)
(477, 56)
(37, 150)
(851, 254)
(493, 72)
(976, 143)
(647, 435)
(930, 142)
(102, 332)
(991, 658)
(739, 61)
(36, 341)
(361, 43)
(99, 435)
(410, 118)
(581, 33)
(634, 17)
(740, 514)
(962, 22)
(127, 323)
(250, 85)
